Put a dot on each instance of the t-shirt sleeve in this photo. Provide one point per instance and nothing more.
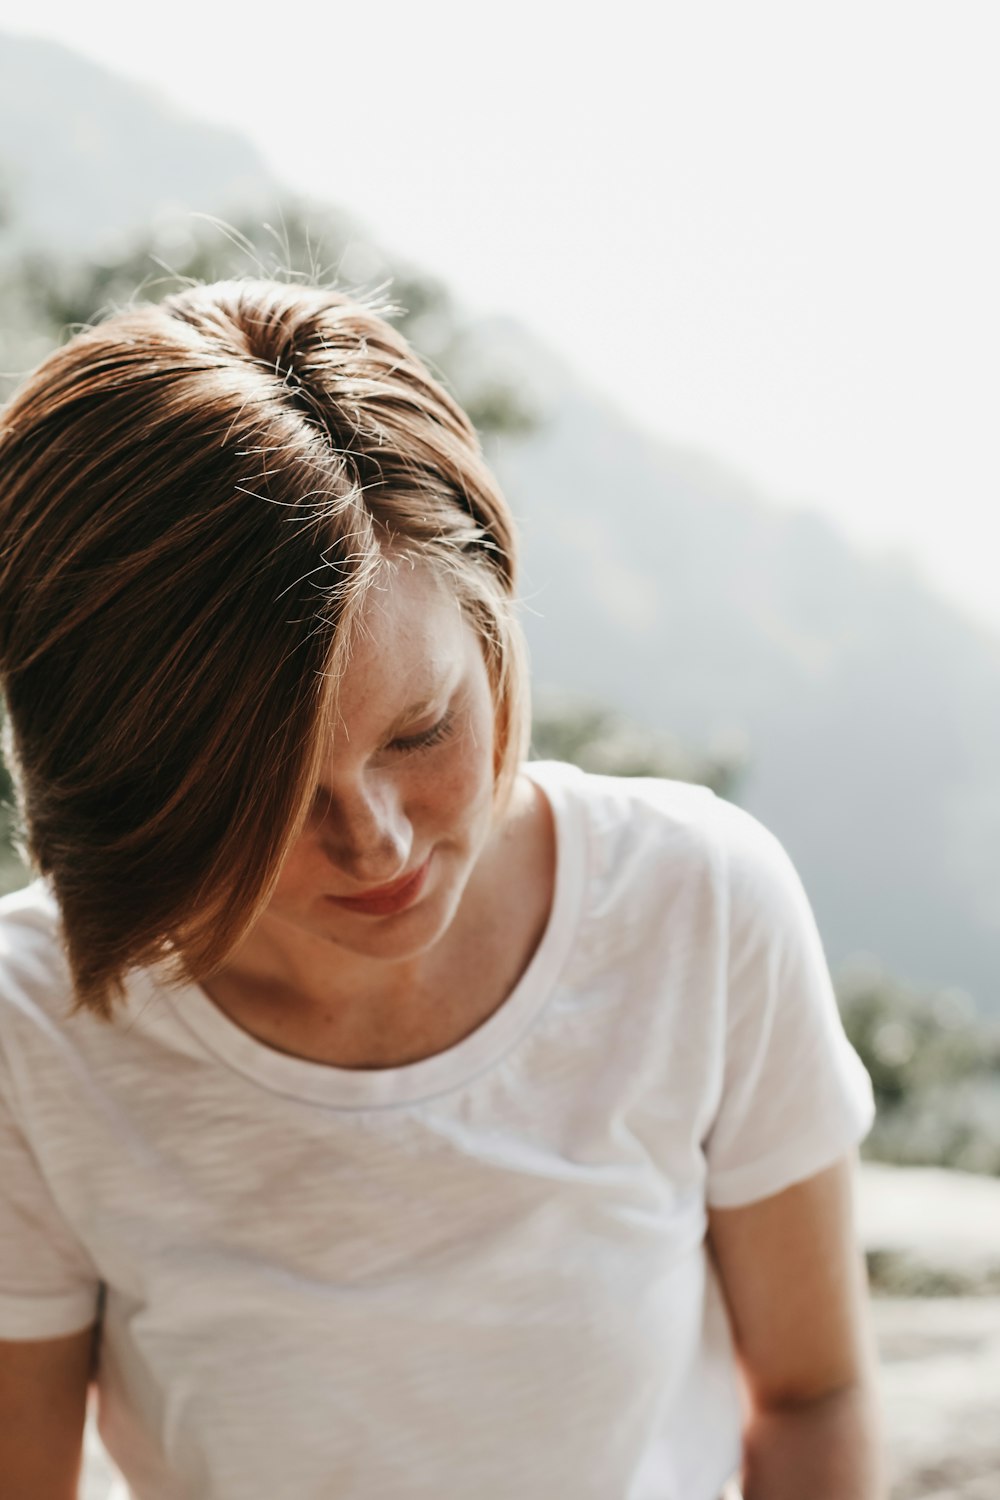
(795, 1096)
(48, 1286)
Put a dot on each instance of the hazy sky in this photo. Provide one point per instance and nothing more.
(769, 230)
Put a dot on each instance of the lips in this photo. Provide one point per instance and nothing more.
(386, 899)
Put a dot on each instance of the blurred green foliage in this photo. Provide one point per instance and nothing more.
(12, 871)
(598, 740)
(45, 299)
(935, 1067)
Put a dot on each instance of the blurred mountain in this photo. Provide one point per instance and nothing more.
(663, 585)
(656, 582)
(87, 157)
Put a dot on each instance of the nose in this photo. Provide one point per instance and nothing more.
(366, 833)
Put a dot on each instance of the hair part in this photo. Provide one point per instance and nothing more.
(195, 499)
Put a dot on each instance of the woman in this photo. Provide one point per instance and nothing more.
(381, 1115)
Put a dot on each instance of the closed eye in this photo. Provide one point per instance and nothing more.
(427, 737)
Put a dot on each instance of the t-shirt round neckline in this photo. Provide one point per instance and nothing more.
(375, 1088)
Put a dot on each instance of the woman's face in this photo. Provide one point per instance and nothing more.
(404, 805)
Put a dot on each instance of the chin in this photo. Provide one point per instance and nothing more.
(404, 935)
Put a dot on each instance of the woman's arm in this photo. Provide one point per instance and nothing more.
(795, 1286)
(43, 1402)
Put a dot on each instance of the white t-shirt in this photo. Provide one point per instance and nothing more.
(482, 1274)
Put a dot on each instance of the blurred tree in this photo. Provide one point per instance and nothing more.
(12, 873)
(935, 1068)
(598, 740)
(43, 300)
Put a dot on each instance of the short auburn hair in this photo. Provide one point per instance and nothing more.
(195, 497)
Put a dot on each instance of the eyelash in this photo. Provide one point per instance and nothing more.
(429, 737)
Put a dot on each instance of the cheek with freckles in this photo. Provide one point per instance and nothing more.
(453, 792)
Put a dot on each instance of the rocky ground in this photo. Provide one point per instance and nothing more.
(933, 1242)
(941, 1390)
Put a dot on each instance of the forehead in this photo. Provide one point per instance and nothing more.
(410, 641)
